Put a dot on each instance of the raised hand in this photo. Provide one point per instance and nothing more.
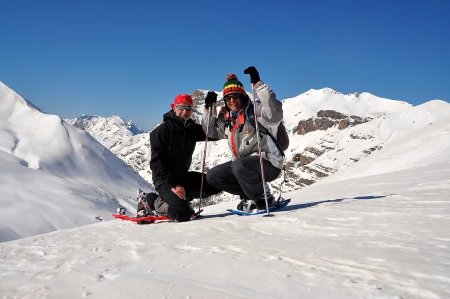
(254, 75)
(211, 98)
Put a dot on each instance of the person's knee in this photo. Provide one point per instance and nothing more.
(210, 177)
(238, 168)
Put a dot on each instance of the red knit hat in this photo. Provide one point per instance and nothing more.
(182, 99)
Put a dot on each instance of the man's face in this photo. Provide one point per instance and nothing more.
(184, 111)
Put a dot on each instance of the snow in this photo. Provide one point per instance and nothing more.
(123, 139)
(378, 228)
(53, 175)
(377, 236)
(307, 104)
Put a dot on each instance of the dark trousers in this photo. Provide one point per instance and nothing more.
(178, 209)
(242, 177)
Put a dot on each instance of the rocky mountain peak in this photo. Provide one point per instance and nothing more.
(98, 123)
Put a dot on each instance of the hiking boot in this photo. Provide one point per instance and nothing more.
(261, 202)
(144, 213)
(191, 207)
(146, 202)
(242, 205)
(247, 205)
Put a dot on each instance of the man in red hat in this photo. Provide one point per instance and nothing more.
(172, 144)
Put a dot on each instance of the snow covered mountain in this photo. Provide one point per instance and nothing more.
(329, 131)
(378, 228)
(53, 175)
(124, 139)
(332, 131)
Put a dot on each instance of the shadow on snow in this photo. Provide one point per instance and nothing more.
(292, 207)
(317, 203)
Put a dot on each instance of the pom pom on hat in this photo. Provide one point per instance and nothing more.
(232, 77)
(182, 99)
(233, 85)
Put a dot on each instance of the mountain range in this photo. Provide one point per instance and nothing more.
(77, 160)
(328, 132)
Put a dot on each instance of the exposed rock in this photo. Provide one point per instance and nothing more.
(331, 114)
(360, 136)
(314, 151)
(302, 159)
(327, 119)
(306, 126)
(372, 149)
(317, 173)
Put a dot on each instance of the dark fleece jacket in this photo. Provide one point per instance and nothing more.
(172, 144)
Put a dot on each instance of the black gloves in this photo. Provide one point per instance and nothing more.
(210, 99)
(254, 75)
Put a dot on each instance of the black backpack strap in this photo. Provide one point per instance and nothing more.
(273, 138)
(251, 117)
(264, 130)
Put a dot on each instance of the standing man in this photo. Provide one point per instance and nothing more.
(172, 144)
(236, 122)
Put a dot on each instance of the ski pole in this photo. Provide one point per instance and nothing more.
(204, 160)
(259, 151)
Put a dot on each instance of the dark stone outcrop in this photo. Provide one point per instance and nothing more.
(326, 119)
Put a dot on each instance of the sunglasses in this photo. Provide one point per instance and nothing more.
(236, 96)
(184, 107)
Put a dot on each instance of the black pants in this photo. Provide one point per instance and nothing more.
(242, 177)
(178, 209)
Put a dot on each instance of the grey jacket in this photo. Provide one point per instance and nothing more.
(242, 138)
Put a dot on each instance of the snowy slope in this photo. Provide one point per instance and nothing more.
(429, 144)
(54, 175)
(109, 130)
(333, 149)
(379, 229)
(307, 104)
(124, 139)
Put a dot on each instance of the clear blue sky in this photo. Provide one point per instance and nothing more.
(130, 58)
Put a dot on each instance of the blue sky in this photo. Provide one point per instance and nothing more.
(131, 58)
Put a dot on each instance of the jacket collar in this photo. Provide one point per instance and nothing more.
(176, 120)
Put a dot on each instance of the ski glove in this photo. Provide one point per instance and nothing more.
(210, 99)
(254, 75)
